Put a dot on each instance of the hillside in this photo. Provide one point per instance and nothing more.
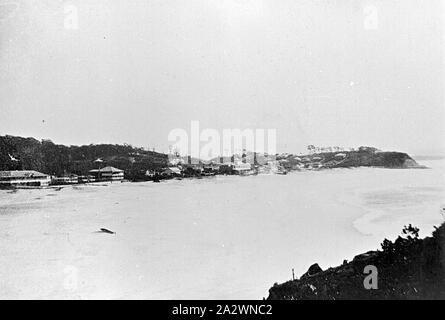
(17, 153)
(408, 268)
(363, 157)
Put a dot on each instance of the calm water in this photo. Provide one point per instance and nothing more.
(223, 237)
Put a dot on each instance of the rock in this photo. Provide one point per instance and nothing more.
(313, 270)
(365, 256)
(107, 231)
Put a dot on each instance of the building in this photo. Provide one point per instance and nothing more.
(86, 179)
(23, 178)
(67, 179)
(176, 161)
(242, 168)
(210, 169)
(171, 172)
(108, 174)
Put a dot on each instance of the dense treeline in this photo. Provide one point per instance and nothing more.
(17, 153)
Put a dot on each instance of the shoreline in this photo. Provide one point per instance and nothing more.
(109, 182)
(158, 225)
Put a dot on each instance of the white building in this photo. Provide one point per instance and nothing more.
(171, 171)
(108, 174)
(240, 167)
(68, 179)
(23, 178)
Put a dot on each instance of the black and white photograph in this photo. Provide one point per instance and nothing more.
(222, 150)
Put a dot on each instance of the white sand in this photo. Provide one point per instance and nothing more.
(224, 237)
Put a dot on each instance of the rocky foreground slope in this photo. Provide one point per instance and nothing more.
(408, 268)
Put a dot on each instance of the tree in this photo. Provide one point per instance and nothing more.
(50, 158)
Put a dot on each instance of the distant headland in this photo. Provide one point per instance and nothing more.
(139, 164)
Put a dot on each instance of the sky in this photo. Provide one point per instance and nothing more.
(329, 73)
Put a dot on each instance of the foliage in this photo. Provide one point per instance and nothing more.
(50, 158)
(408, 268)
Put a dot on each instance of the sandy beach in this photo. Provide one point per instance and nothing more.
(216, 238)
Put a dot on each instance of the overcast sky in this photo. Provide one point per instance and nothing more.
(343, 72)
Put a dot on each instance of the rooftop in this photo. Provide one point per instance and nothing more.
(21, 174)
(107, 169)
